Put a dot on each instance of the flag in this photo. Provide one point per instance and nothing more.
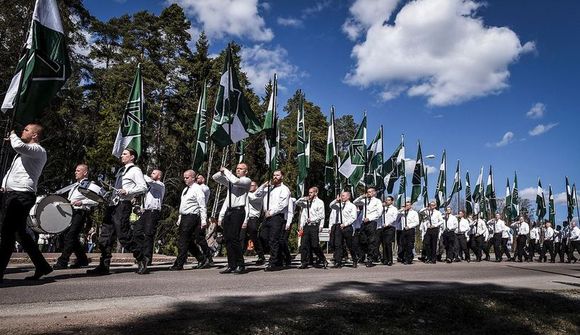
(301, 148)
(240, 150)
(515, 205)
(307, 151)
(569, 201)
(392, 166)
(478, 193)
(200, 151)
(457, 186)
(507, 209)
(490, 192)
(271, 129)
(353, 165)
(233, 120)
(129, 133)
(375, 161)
(468, 198)
(43, 67)
(417, 175)
(332, 159)
(425, 193)
(552, 211)
(540, 202)
(441, 190)
(402, 189)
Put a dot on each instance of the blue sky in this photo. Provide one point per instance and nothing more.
(493, 83)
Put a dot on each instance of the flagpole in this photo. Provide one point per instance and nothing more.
(576, 198)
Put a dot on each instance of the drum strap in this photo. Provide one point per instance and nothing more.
(66, 188)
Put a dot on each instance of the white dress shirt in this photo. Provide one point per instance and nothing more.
(238, 189)
(390, 217)
(548, 234)
(291, 209)
(575, 234)
(193, 202)
(130, 178)
(409, 220)
(333, 217)
(154, 197)
(312, 211)
(524, 229)
(450, 223)
(74, 195)
(462, 227)
(346, 211)
(254, 203)
(534, 233)
(372, 207)
(279, 200)
(479, 227)
(26, 166)
(206, 192)
(433, 218)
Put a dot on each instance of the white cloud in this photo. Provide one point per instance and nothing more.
(260, 64)
(219, 18)
(289, 22)
(560, 198)
(437, 49)
(531, 192)
(316, 8)
(410, 167)
(537, 111)
(506, 139)
(540, 129)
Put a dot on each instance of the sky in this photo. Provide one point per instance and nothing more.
(493, 83)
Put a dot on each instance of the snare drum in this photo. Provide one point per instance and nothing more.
(51, 214)
(92, 191)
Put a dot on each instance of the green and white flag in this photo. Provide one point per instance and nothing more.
(515, 205)
(457, 185)
(307, 150)
(129, 133)
(233, 120)
(332, 160)
(301, 146)
(569, 201)
(43, 67)
(353, 165)
(271, 129)
(375, 161)
(540, 202)
(507, 210)
(468, 198)
(441, 190)
(417, 175)
(425, 192)
(478, 193)
(392, 166)
(552, 210)
(200, 151)
(240, 150)
(490, 192)
(402, 189)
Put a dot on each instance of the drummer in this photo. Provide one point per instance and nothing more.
(19, 195)
(81, 213)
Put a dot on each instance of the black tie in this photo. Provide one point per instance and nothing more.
(185, 191)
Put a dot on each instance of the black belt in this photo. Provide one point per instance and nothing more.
(237, 208)
(189, 214)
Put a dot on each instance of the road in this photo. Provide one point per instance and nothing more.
(69, 299)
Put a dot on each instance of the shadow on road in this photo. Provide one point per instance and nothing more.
(351, 307)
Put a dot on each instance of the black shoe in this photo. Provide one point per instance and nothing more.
(79, 264)
(389, 263)
(39, 273)
(204, 264)
(59, 266)
(261, 261)
(448, 261)
(227, 270)
(338, 265)
(369, 265)
(239, 270)
(143, 270)
(303, 266)
(325, 264)
(272, 267)
(176, 267)
(100, 270)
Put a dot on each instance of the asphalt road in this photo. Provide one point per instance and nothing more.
(69, 299)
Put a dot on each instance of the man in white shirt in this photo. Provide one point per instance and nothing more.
(200, 179)
(558, 247)
(275, 205)
(311, 223)
(372, 209)
(144, 229)
(574, 242)
(500, 238)
(449, 240)
(19, 191)
(251, 226)
(346, 213)
(548, 244)
(116, 225)
(233, 214)
(461, 238)
(81, 212)
(390, 217)
(433, 220)
(476, 237)
(535, 241)
(409, 219)
(523, 229)
(192, 220)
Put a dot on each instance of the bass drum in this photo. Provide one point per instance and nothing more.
(51, 214)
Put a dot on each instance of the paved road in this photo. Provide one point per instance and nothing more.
(70, 298)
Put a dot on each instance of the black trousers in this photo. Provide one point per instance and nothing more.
(191, 239)
(497, 246)
(431, 241)
(251, 233)
(232, 224)
(272, 232)
(400, 249)
(285, 256)
(486, 246)
(559, 251)
(310, 244)
(477, 246)
(116, 225)
(344, 235)
(15, 211)
(534, 247)
(449, 241)
(368, 232)
(548, 246)
(72, 243)
(144, 234)
(461, 246)
(573, 246)
(379, 238)
(521, 251)
(408, 244)
(387, 239)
